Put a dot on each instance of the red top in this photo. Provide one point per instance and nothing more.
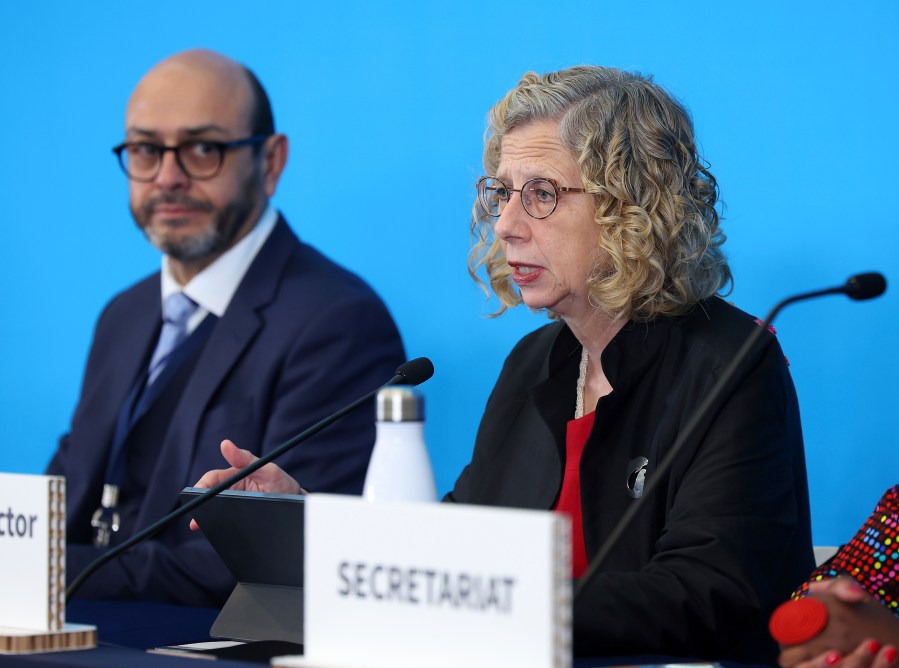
(570, 497)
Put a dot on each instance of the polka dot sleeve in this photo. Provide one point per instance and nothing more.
(871, 557)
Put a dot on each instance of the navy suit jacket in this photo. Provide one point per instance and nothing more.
(301, 338)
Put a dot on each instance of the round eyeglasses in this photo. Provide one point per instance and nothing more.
(539, 197)
(198, 158)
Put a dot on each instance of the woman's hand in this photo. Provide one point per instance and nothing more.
(270, 478)
(860, 631)
(868, 654)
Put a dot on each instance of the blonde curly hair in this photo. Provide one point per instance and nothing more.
(655, 197)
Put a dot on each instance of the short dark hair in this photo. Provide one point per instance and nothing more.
(262, 121)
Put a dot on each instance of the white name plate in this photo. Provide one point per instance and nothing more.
(32, 552)
(397, 585)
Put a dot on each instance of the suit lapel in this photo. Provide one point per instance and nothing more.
(135, 339)
(121, 347)
(230, 337)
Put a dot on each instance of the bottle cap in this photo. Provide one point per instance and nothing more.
(400, 403)
(797, 622)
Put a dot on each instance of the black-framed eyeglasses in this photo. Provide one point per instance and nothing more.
(539, 196)
(198, 158)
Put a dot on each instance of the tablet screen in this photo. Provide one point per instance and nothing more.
(259, 536)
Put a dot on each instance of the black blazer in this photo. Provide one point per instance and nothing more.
(727, 535)
(301, 338)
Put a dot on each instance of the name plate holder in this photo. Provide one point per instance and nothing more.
(32, 568)
(390, 585)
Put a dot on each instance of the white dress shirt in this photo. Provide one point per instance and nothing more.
(213, 288)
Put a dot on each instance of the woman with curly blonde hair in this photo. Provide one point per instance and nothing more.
(598, 210)
(654, 198)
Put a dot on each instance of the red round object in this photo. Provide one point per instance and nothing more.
(796, 622)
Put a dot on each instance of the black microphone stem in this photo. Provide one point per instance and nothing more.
(222, 486)
(687, 435)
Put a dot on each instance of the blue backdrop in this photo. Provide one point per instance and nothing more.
(794, 103)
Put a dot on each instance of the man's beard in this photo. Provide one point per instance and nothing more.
(209, 242)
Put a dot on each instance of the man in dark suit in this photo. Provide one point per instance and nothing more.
(246, 333)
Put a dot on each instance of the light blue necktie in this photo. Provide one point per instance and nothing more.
(178, 309)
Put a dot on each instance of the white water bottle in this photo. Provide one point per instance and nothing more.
(400, 469)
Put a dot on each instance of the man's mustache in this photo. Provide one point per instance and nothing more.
(177, 199)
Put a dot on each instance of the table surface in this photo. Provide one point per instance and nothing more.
(126, 629)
